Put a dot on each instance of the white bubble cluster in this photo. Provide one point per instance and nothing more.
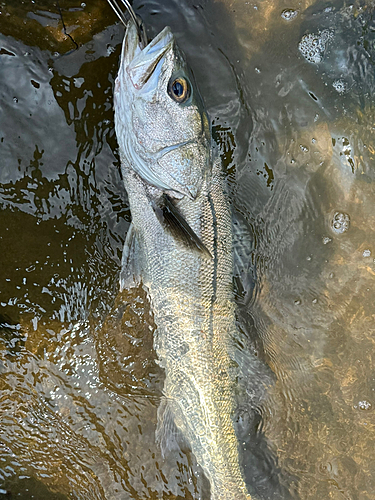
(289, 14)
(340, 222)
(313, 46)
(363, 405)
(340, 86)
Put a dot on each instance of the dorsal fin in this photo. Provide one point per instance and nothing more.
(173, 221)
(244, 273)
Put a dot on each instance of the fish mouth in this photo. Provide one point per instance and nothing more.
(140, 64)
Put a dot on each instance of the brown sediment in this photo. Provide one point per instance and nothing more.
(80, 24)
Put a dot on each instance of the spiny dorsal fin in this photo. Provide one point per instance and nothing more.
(172, 220)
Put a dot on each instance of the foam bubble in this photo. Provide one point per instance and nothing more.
(340, 86)
(289, 14)
(340, 222)
(364, 405)
(313, 46)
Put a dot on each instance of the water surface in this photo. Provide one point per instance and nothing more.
(289, 88)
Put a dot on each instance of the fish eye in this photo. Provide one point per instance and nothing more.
(179, 89)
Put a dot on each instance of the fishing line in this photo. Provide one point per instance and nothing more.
(137, 21)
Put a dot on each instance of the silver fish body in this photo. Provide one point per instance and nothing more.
(172, 178)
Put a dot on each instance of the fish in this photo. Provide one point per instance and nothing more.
(179, 247)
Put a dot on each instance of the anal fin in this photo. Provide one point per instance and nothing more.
(167, 435)
(173, 221)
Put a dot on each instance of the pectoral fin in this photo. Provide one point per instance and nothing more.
(130, 275)
(173, 221)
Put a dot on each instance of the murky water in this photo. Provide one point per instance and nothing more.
(289, 87)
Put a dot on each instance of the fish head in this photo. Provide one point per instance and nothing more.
(162, 127)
